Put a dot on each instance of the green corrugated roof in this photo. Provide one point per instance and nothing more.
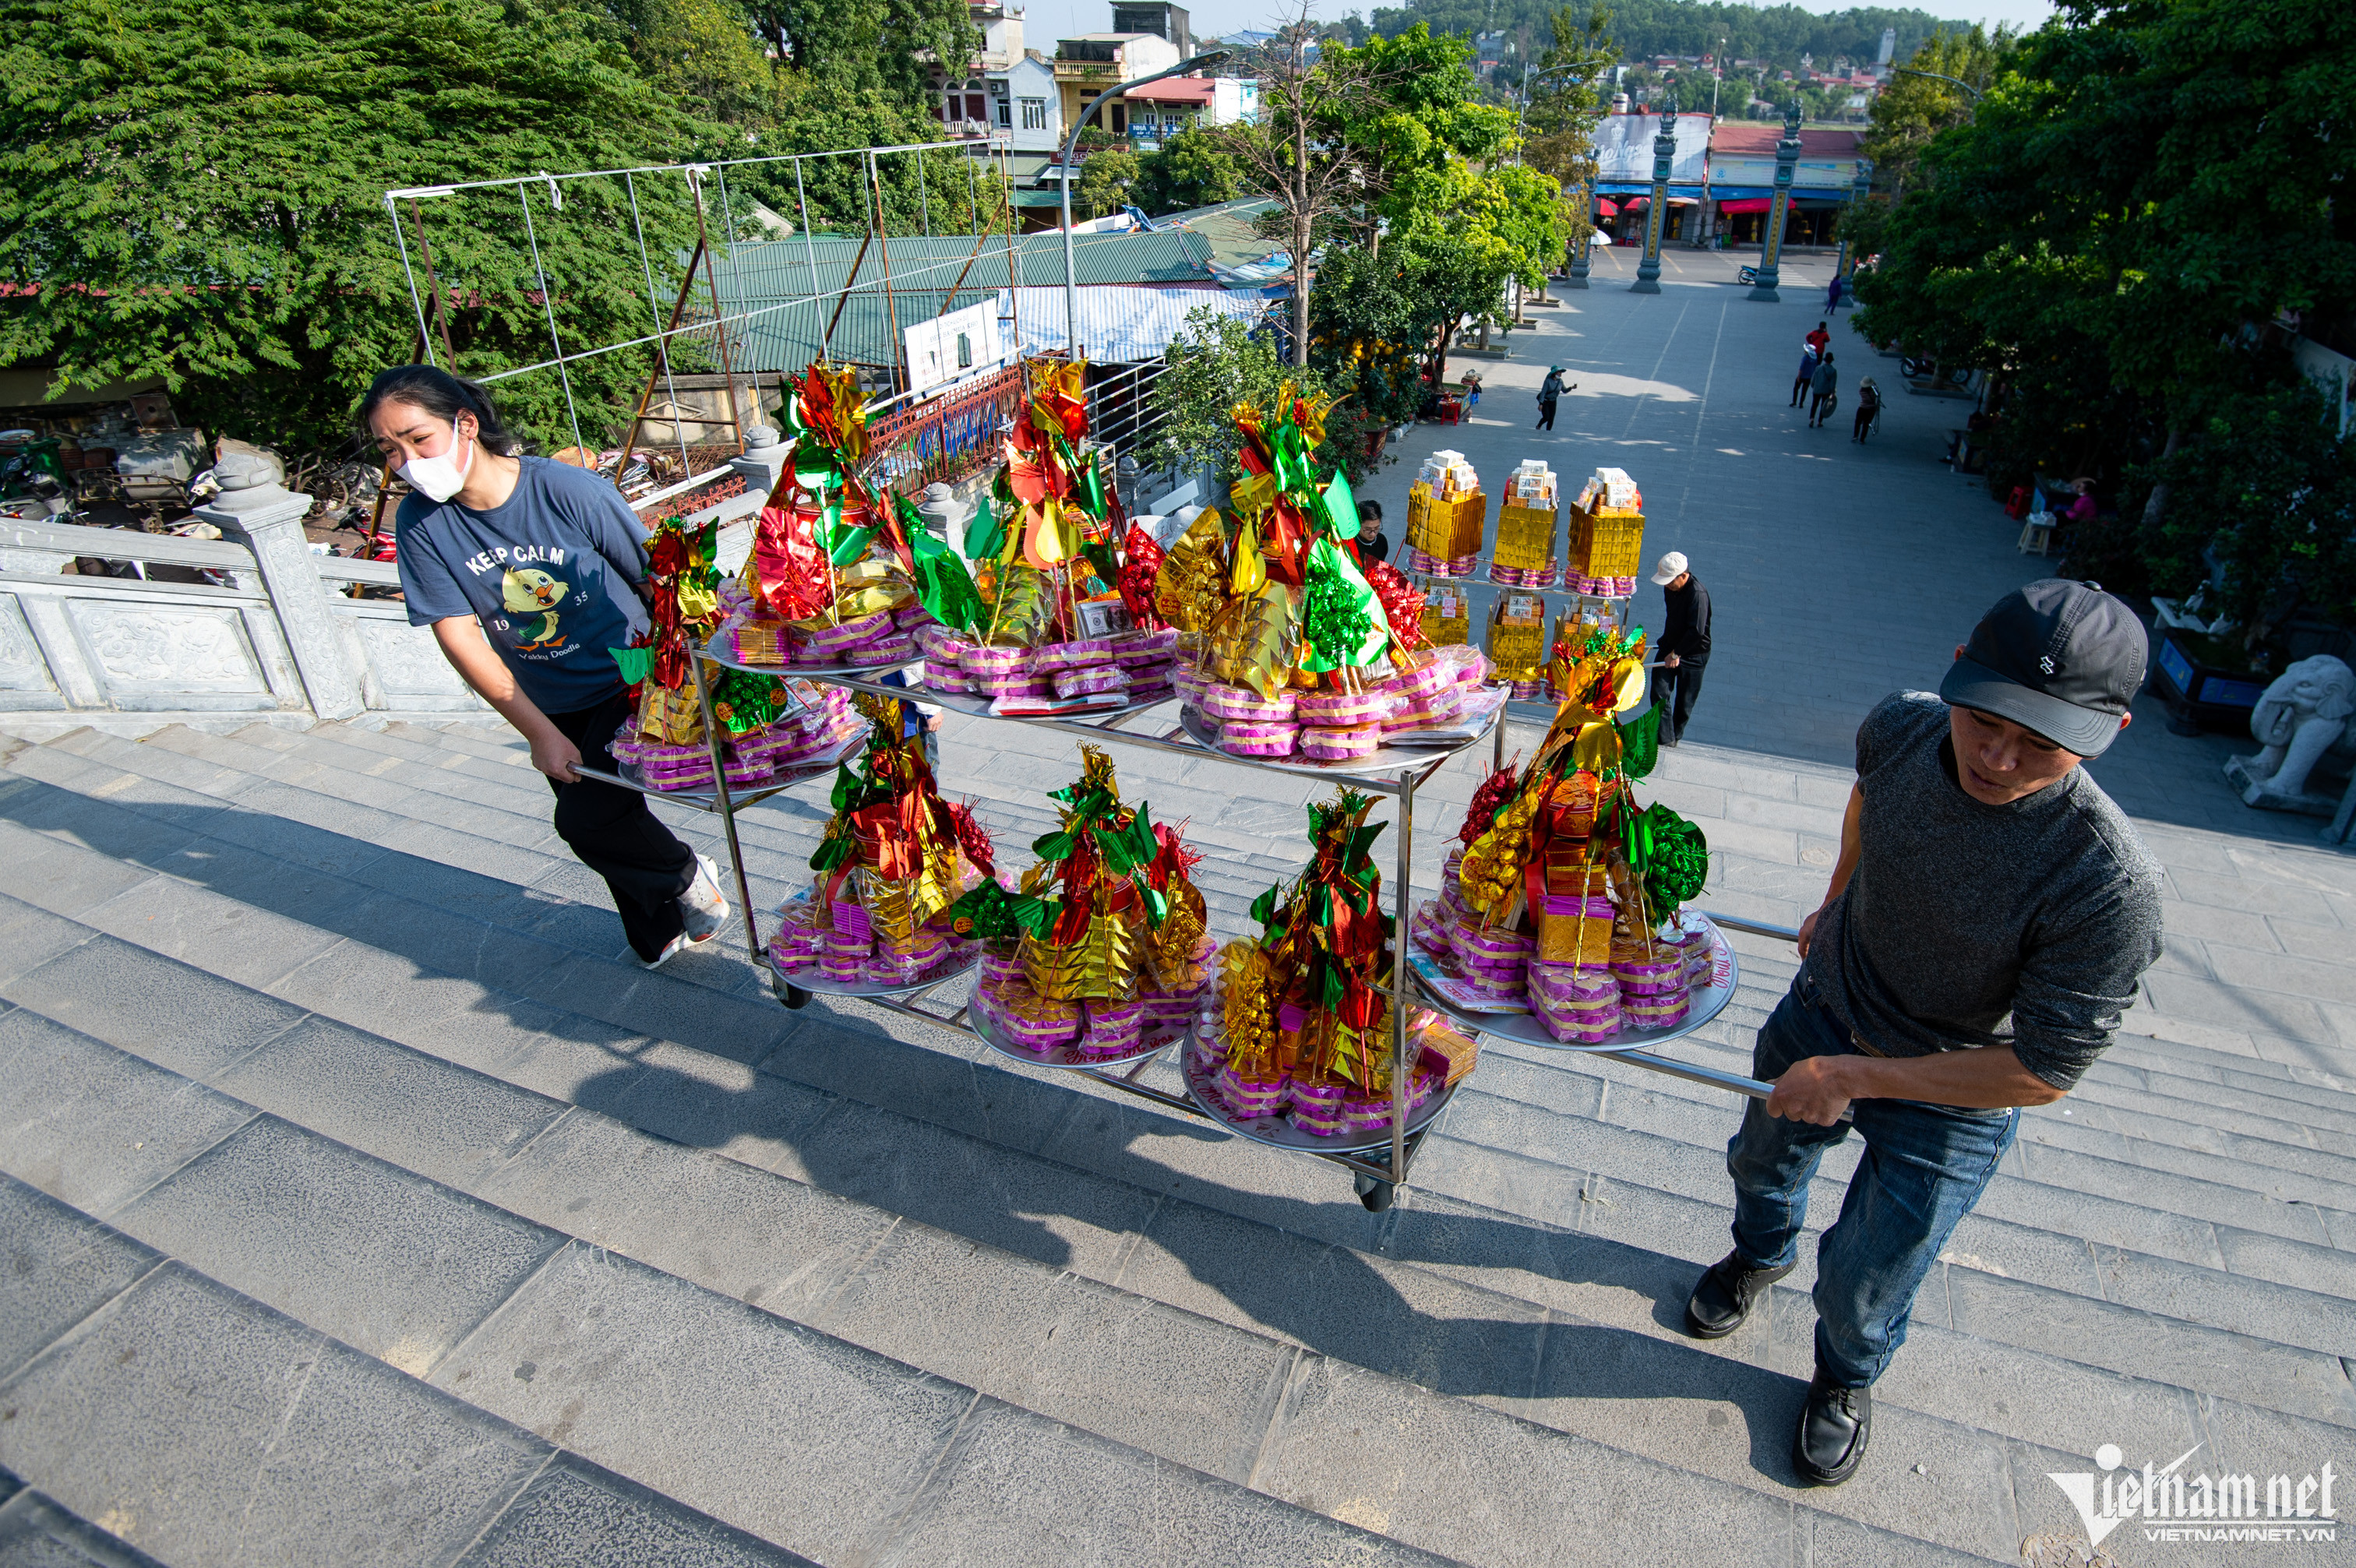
(780, 269)
(1227, 229)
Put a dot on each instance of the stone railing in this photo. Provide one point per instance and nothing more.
(272, 630)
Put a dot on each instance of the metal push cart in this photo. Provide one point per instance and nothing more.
(1378, 1167)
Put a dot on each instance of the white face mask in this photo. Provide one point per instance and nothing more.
(438, 477)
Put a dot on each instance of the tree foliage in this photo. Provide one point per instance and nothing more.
(1567, 102)
(1216, 363)
(1194, 168)
(2119, 232)
(1912, 109)
(860, 48)
(1105, 181)
(196, 193)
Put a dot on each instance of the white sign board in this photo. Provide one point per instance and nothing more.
(1623, 148)
(951, 347)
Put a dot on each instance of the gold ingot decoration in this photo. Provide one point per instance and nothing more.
(1255, 641)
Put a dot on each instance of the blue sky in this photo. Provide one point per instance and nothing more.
(1051, 19)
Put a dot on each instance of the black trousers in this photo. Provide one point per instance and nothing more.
(1799, 390)
(1818, 407)
(1546, 414)
(613, 833)
(1673, 691)
(1865, 413)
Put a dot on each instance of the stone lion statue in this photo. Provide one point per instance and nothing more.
(2300, 717)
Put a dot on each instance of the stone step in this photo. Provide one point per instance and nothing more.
(746, 1031)
(194, 1424)
(2121, 1128)
(794, 1434)
(826, 1449)
(611, 1075)
(886, 1282)
(584, 924)
(36, 1532)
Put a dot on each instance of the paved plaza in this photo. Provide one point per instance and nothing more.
(364, 1203)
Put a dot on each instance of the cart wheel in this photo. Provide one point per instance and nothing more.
(1375, 1194)
(795, 997)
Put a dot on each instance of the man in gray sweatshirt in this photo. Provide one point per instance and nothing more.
(1986, 924)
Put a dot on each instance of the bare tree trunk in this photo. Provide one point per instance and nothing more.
(1303, 227)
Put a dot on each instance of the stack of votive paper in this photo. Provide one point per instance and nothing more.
(877, 640)
(1317, 1108)
(1135, 668)
(1529, 489)
(1106, 1026)
(846, 949)
(1602, 587)
(1646, 982)
(1342, 726)
(755, 757)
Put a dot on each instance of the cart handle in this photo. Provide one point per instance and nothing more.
(1690, 1073)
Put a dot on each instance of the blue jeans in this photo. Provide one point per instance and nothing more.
(1924, 1166)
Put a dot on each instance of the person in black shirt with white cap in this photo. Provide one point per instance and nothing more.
(1986, 924)
(1683, 645)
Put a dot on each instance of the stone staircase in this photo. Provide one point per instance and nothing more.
(365, 1202)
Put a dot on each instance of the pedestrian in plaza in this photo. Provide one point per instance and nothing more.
(1825, 386)
(1683, 645)
(529, 571)
(1869, 409)
(1549, 393)
(1821, 338)
(1808, 371)
(1372, 543)
(1987, 921)
(1833, 293)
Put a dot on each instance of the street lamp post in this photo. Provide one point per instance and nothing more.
(1938, 76)
(1779, 211)
(1071, 260)
(1656, 220)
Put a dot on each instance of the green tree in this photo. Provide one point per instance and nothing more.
(1193, 168)
(862, 47)
(2145, 193)
(1216, 363)
(704, 53)
(1567, 102)
(1106, 180)
(1912, 109)
(197, 193)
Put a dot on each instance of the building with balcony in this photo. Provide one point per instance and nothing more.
(1006, 90)
(1086, 65)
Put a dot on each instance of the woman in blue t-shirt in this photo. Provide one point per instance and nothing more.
(529, 571)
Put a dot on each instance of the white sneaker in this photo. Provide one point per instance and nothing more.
(678, 946)
(702, 906)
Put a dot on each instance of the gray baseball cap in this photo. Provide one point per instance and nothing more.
(2061, 658)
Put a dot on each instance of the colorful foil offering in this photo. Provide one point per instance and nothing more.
(894, 857)
(1566, 896)
(835, 565)
(1109, 918)
(1300, 1027)
(1273, 602)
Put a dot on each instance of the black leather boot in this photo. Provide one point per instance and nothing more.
(1834, 1427)
(1723, 1297)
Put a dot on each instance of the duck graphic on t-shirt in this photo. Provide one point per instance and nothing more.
(533, 592)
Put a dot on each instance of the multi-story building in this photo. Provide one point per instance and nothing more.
(1158, 17)
(1004, 90)
(1088, 64)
